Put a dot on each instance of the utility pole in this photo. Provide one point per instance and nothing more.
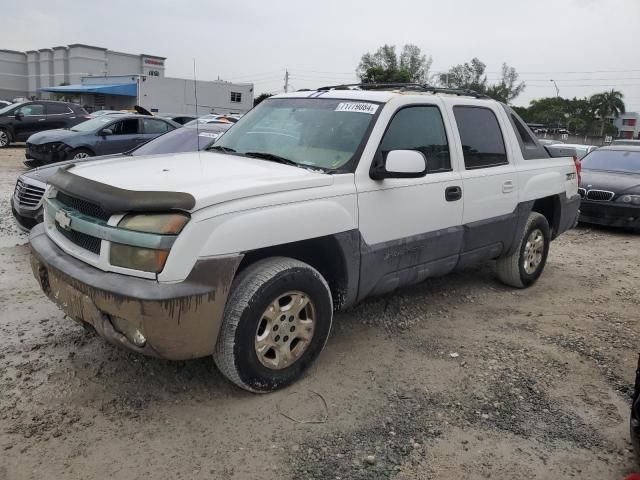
(286, 81)
(555, 85)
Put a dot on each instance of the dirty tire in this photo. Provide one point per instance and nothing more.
(511, 269)
(79, 153)
(252, 292)
(5, 138)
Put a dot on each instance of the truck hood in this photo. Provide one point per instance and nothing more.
(211, 178)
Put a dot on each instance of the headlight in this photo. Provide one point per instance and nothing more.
(54, 146)
(629, 199)
(163, 223)
(146, 259)
(137, 258)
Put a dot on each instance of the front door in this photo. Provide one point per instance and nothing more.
(411, 228)
(31, 120)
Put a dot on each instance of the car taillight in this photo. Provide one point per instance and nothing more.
(578, 165)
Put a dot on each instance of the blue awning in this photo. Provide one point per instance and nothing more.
(125, 89)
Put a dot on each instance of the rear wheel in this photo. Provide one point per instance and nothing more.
(79, 153)
(277, 321)
(5, 138)
(525, 265)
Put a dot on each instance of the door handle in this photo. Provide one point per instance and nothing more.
(41, 119)
(451, 194)
(507, 187)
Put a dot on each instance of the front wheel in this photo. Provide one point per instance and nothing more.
(5, 139)
(525, 265)
(80, 153)
(276, 322)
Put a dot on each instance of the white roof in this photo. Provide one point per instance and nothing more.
(382, 96)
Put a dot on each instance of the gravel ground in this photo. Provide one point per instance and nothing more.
(458, 377)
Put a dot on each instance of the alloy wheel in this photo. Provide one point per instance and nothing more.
(533, 251)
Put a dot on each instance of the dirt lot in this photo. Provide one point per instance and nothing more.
(458, 377)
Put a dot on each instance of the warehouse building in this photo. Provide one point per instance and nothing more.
(99, 78)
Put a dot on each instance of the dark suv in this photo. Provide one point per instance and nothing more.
(21, 120)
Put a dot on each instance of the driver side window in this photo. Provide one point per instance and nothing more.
(419, 128)
(125, 127)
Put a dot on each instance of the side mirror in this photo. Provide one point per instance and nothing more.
(106, 132)
(19, 115)
(401, 164)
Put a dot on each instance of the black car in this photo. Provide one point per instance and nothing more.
(610, 187)
(21, 120)
(105, 135)
(26, 202)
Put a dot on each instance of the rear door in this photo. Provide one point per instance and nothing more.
(125, 135)
(489, 181)
(152, 128)
(32, 120)
(57, 115)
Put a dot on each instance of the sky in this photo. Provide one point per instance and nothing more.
(586, 46)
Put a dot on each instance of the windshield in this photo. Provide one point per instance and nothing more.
(185, 139)
(613, 160)
(314, 132)
(93, 124)
(4, 110)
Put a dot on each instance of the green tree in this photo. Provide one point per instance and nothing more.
(508, 88)
(469, 76)
(386, 66)
(607, 104)
(261, 97)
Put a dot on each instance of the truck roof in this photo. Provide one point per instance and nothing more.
(381, 92)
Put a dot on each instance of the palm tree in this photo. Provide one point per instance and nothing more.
(607, 104)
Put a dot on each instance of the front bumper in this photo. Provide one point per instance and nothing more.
(610, 213)
(179, 321)
(42, 155)
(26, 218)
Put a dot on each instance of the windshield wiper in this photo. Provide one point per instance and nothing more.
(220, 148)
(271, 157)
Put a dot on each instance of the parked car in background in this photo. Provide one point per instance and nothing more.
(99, 113)
(103, 135)
(610, 187)
(581, 150)
(26, 202)
(626, 142)
(179, 118)
(213, 118)
(19, 121)
(548, 141)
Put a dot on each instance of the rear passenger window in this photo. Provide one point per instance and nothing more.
(57, 109)
(482, 142)
(154, 126)
(522, 132)
(419, 128)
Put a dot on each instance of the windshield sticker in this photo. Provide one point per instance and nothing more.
(208, 134)
(369, 108)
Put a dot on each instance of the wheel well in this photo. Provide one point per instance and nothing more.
(323, 253)
(550, 208)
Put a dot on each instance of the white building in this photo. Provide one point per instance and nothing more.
(628, 125)
(102, 78)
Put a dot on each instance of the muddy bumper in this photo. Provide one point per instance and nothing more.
(175, 321)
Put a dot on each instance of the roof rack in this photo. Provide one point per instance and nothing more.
(411, 87)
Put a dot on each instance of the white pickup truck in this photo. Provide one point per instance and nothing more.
(313, 201)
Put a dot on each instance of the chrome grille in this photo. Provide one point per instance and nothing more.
(28, 195)
(582, 192)
(600, 195)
